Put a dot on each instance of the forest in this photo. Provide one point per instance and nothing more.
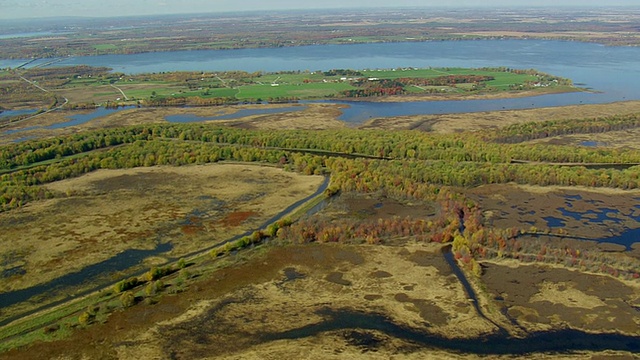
(402, 164)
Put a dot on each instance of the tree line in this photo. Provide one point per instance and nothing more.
(399, 145)
(404, 175)
(539, 130)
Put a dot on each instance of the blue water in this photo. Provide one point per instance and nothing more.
(593, 144)
(11, 113)
(360, 111)
(594, 65)
(8, 132)
(612, 72)
(80, 119)
(554, 222)
(599, 216)
(189, 118)
(74, 120)
(625, 239)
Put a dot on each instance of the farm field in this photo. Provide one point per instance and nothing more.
(96, 86)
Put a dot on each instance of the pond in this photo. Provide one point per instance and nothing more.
(74, 120)
(601, 215)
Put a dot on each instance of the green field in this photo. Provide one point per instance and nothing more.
(105, 46)
(103, 86)
(299, 90)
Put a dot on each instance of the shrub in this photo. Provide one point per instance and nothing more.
(154, 288)
(216, 252)
(184, 274)
(125, 285)
(127, 299)
(156, 273)
(86, 318)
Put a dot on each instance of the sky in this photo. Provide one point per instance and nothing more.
(18, 9)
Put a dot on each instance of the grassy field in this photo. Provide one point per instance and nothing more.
(105, 46)
(109, 87)
(300, 90)
(104, 213)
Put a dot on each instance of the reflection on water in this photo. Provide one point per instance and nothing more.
(87, 275)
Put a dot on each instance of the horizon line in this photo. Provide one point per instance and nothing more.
(380, 8)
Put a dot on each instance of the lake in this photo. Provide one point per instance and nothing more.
(612, 72)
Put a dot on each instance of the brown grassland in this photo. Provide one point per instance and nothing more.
(616, 139)
(526, 289)
(107, 212)
(319, 301)
(314, 116)
(448, 123)
(331, 301)
(324, 116)
(254, 308)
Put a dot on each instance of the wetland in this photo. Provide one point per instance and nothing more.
(399, 227)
